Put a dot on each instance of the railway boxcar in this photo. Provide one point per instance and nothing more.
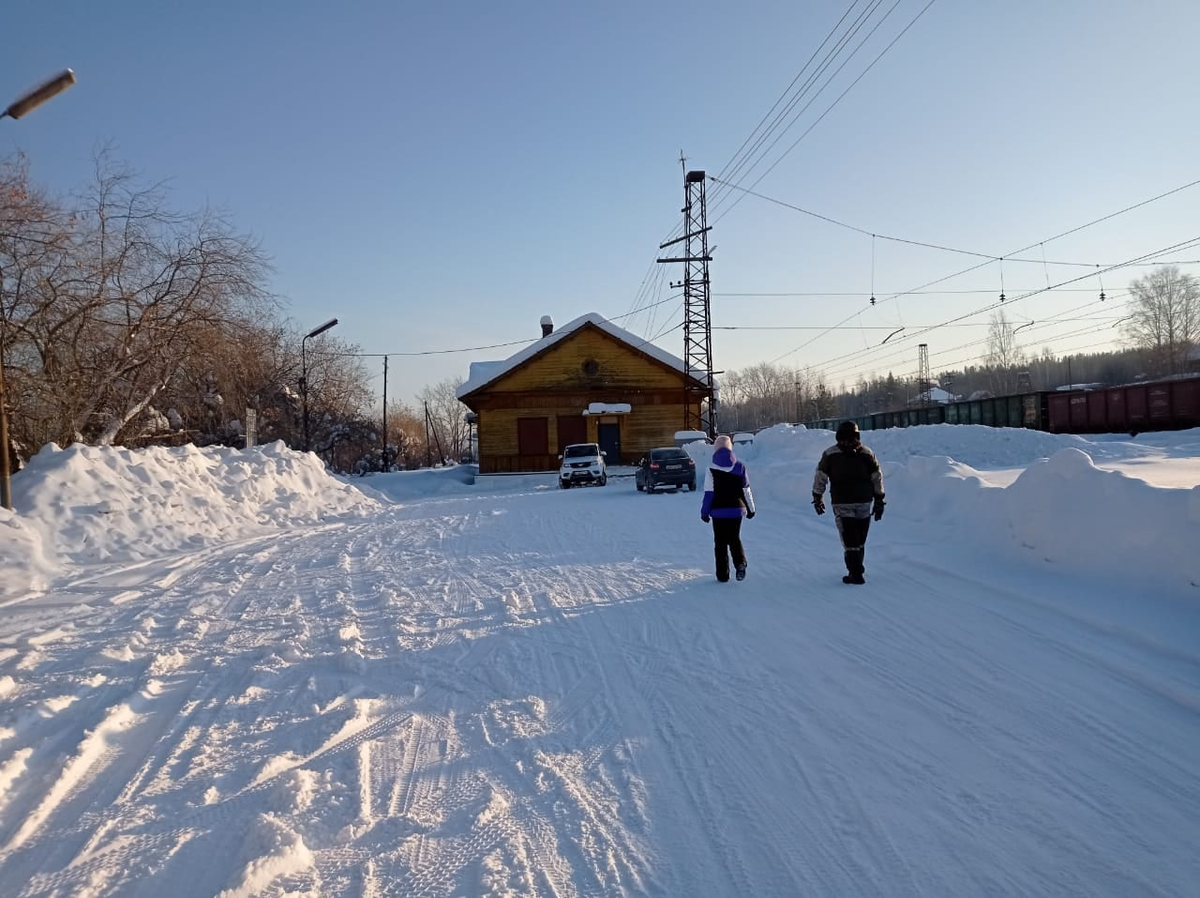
(1131, 408)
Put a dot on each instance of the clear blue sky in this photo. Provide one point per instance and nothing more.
(442, 175)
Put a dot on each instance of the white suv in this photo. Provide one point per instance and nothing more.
(582, 463)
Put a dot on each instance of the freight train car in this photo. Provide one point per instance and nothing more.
(1170, 404)
(1129, 408)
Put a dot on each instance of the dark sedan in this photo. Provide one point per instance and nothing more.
(667, 466)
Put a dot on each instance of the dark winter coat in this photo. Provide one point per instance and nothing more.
(853, 477)
(726, 488)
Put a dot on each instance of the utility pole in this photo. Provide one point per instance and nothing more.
(697, 321)
(428, 444)
(385, 442)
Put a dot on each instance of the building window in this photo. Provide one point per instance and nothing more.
(591, 367)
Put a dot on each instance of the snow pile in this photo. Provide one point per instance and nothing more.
(1061, 509)
(1063, 499)
(399, 486)
(85, 504)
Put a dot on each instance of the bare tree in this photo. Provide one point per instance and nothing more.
(123, 321)
(1004, 356)
(448, 415)
(1166, 317)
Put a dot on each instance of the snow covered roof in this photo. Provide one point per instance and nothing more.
(608, 408)
(937, 394)
(483, 373)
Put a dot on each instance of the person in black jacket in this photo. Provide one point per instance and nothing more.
(855, 482)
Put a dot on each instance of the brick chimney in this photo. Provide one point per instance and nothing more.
(547, 326)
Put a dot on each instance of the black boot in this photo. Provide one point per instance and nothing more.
(854, 566)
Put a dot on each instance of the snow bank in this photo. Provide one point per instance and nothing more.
(1061, 509)
(87, 504)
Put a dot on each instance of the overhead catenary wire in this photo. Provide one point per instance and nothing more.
(892, 353)
(904, 353)
(879, 358)
(991, 257)
(1018, 252)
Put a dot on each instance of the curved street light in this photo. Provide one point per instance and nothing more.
(304, 372)
(30, 101)
(20, 106)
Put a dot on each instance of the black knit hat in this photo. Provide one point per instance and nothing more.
(847, 432)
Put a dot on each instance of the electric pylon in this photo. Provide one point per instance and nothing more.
(923, 379)
(699, 406)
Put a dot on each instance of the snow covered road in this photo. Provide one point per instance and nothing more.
(547, 693)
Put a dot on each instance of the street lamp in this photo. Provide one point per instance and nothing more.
(17, 108)
(39, 95)
(304, 372)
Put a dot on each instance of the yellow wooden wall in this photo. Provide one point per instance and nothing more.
(585, 367)
(644, 428)
(562, 367)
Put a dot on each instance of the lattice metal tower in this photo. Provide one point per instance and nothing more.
(699, 411)
(923, 379)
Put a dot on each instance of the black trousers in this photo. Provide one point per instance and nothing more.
(853, 532)
(727, 540)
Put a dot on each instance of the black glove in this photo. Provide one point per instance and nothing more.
(819, 503)
(877, 510)
(749, 515)
(704, 518)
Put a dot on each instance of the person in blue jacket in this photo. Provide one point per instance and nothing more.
(727, 498)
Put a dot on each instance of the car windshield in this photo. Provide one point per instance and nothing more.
(586, 451)
(667, 454)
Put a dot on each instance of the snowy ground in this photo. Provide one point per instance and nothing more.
(226, 673)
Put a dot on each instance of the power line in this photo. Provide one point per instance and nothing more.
(1017, 252)
(868, 327)
(976, 290)
(750, 136)
(879, 359)
(834, 104)
(921, 243)
(857, 370)
(830, 57)
(800, 94)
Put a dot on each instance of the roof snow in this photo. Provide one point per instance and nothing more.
(483, 373)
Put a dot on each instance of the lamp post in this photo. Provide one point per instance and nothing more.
(17, 108)
(304, 372)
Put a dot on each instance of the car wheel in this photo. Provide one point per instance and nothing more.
(564, 484)
(692, 486)
(604, 480)
(640, 487)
